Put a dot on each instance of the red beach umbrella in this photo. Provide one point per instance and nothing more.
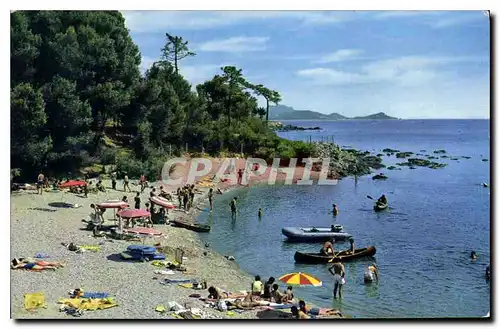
(73, 183)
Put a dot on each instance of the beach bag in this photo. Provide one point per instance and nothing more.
(222, 306)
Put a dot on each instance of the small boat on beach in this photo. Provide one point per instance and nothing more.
(191, 226)
(380, 206)
(342, 256)
(314, 234)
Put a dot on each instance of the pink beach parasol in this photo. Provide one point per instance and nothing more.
(134, 213)
(113, 204)
(162, 202)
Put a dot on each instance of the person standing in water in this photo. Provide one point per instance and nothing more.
(233, 207)
(338, 278)
(211, 199)
(335, 210)
(351, 241)
(371, 274)
(260, 213)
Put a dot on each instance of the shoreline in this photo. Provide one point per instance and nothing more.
(95, 272)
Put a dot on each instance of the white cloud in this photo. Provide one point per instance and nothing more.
(197, 74)
(406, 70)
(458, 20)
(235, 44)
(154, 21)
(340, 56)
(146, 63)
(436, 19)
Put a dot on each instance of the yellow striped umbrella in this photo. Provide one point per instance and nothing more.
(301, 279)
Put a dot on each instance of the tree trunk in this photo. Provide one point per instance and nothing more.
(267, 110)
(175, 61)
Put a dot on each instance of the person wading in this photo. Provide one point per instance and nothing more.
(233, 207)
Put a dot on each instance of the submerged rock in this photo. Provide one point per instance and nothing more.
(390, 151)
(416, 162)
(380, 176)
(439, 151)
(402, 155)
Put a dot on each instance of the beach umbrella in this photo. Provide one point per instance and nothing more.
(299, 278)
(113, 204)
(73, 183)
(134, 213)
(162, 202)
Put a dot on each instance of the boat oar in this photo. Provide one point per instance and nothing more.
(369, 197)
(334, 256)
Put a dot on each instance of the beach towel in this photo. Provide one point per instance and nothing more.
(159, 263)
(160, 308)
(34, 301)
(41, 255)
(89, 304)
(95, 295)
(170, 281)
(169, 272)
(90, 248)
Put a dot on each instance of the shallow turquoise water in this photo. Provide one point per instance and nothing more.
(423, 242)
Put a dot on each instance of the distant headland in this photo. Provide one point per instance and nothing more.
(283, 112)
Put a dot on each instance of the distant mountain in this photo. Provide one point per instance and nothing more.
(283, 112)
(376, 116)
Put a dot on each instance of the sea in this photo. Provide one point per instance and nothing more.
(437, 217)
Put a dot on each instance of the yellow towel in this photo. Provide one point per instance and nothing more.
(35, 300)
(158, 263)
(91, 248)
(186, 285)
(89, 304)
(160, 308)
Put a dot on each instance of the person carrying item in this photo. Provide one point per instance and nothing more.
(257, 286)
(338, 271)
(233, 207)
(126, 184)
(371, 274)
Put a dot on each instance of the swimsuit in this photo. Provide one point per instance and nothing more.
(29, 266)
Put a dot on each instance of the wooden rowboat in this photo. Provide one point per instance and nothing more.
(193, 227)
(343, 256)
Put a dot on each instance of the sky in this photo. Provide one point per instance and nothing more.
(407, 64)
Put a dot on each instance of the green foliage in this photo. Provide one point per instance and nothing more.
(78, 100)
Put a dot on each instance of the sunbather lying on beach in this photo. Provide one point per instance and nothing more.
(216, 294)
(34, 265)
(246, 304)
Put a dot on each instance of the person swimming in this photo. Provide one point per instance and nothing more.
(473, 255)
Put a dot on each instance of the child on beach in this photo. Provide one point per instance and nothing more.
(39, 183)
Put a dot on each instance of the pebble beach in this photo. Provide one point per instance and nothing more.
(37, 226)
